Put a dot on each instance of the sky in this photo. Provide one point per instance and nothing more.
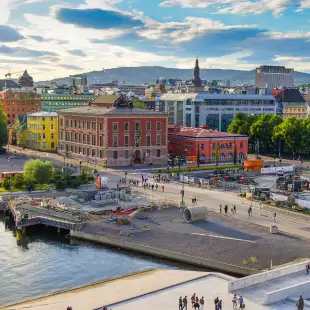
(57, 38)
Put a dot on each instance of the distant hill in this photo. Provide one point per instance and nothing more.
(140, 75)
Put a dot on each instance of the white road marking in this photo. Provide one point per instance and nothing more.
(222, 237)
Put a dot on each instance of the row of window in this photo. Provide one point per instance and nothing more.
(37, 136)
(38, 126)
(44, 145)
(40, 118)
(65, 103)
(67, 98)
(223, 145)
(81, 124)
(148, 126)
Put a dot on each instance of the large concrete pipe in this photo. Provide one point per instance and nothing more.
(193, 214)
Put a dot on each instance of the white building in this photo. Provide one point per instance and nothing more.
(215, 110)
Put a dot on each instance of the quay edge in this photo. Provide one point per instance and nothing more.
(160, 253)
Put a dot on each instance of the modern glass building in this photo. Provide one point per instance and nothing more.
(54, 102)
(214, 110)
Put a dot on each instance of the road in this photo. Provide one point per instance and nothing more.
(210, 198)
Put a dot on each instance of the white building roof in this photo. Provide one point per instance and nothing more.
(178, 96)
(212, 96)
(44, 114)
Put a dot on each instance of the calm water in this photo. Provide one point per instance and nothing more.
(39, 264)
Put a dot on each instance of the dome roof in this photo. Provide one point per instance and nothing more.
(25, 80)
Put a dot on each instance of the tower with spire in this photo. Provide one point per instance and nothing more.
(25, 80)
(197, 80)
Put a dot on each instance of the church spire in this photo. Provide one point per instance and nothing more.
(197, 81)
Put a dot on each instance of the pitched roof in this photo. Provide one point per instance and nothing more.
(290, 95)
(105, 100)
(8, 84)
(189, 132)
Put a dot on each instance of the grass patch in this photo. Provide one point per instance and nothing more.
(205, 168)
(37, 187)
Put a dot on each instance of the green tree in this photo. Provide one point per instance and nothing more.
(262, 130)
(290, 132)
(18, 180)
(305, 124)
(3, 127)
(140, 105)
(7, 182)
(217, 154)
(38, 171)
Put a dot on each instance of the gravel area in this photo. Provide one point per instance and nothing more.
(221, 238)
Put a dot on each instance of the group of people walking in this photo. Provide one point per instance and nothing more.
(233, 209)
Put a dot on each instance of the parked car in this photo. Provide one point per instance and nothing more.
(2, 150)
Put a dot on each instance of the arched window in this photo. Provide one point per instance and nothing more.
(241, 155)
(213, 156)
(222, 156)
(230, 156)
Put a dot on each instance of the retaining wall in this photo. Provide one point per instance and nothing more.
(282, 294)
(265, 276)
(179, 257)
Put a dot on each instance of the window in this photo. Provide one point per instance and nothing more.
(52, 145)
(148, 140)
(43, 127)
(158, 125)
(241, 145)
(87, 125)
(61, 135)
(126, 154)
(115, 140)
(158, 153)
(43, 136)
(75, 124)
(67, 123)
(158, 139)
(115, 154)
(148, 126)
(126, 140)
(71, 123)
(52, 135)
(52, 127)
(88, 140)
(100, 141)
(115, 127)
(202, 146)
(100, 154)
(43, 119)
(61, 121)
(93, 140)
(100, 126)
(93, 125)
(126, 126)
(137, 126)
(93, 153)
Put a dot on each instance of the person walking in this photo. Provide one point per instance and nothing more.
(193, 299)
(234, 301)
(196, 304)
(235, 209)
(220, 208)
(220, 305)
(241, 302)
(152, 187)
(300, 303)
(185, 303)
(180, 303)
(226, 209)
(307, 268)
(216, 301)
(156, 186)
(202, 303)
(163, 188)
(250, 211)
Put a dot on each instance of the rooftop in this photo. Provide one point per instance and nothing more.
(44, 114)
(190, 132)
(176, 97)
(105, 99)
(205, 95)
(8, 84)
(290, 95)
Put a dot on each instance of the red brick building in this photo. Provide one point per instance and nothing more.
(18, 102)
(185, 141)
(110, 130)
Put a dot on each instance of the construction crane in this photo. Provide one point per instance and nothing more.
(9, 74)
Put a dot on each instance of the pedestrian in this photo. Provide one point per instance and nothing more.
(219, 305)
(152, 187)
(185, 303)
(216, 301)
(235, 209)
(180, 303)
(156, 186)
(250, 211)
(234, 301)
(163, 188)
(300, 303)
(202, 302)
(226, 209)
(220, 208)
(307, 268)
(241, 302)
(196, 304)
(193, 298)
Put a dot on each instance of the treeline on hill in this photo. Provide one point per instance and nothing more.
(268, 132)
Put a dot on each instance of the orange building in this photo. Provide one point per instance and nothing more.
(17, 101)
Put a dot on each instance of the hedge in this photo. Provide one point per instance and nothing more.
(196, 168)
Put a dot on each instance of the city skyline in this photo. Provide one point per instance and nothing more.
(55, 39)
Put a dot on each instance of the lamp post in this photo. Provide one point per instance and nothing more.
(182, 192)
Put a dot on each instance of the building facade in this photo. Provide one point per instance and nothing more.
(54, 102)
(19, 102)
(206, 143)
(110, 131)
(42, 130)
(18, 133)
(271, 77)
(214, 110)
(292, 103)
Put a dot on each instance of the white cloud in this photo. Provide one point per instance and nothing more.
(288, 35)
(235, 6)
(191, 27)
(305, 4)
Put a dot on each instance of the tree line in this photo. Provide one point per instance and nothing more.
(269, 134)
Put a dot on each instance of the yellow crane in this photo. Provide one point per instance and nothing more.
(9, 74)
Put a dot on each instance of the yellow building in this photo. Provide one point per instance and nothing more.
(18, 132)
(42, 131)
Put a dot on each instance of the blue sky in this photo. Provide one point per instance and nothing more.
(55, 38)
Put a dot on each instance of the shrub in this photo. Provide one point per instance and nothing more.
(7, 183)
(244, 262)
(253, 260)
(18, 180)
(60, 184)
(75, 183)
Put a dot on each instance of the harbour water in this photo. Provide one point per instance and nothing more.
(41, 263)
